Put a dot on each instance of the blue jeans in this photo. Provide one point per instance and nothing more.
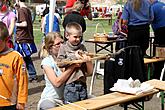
(75, 92)
(12, 107)
(30, 67)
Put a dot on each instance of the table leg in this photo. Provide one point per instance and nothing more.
(125, 107)
(162, 100)
(149, 71)
(142, 105)
(93, 77)
(150, 42)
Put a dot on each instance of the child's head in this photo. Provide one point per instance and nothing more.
(53, 41)
(3, 36)
(73, 33)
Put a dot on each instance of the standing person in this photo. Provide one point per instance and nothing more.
(120, 29)
(13, 75)
(137, 15)
(75, 16)
(75, 88)
(8, 17)
(158, 26)
(45, 23)
(86, 11)
(158, 23)
(25, 39)
(54, 77)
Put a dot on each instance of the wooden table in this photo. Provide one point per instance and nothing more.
(149, 61)
(104, 101)
(104, 44)
(158, 85)
(153, 60)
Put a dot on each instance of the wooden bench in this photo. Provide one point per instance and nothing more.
(104, 101)
(152, 60)
(158, 85)
(149, 61)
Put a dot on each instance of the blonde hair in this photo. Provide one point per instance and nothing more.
(136, 4)
(48, 42)
(73, 25)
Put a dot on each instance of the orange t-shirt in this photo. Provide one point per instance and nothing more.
(13, 79)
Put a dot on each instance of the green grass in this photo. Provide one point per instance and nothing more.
(90, 29)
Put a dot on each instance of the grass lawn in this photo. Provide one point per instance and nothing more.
(90, 29)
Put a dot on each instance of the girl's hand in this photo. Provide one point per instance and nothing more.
(86, 58)
(20, 106)
(78, 54)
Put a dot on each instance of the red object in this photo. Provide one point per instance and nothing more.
(4, 8)
(83, 12)
(70, 3)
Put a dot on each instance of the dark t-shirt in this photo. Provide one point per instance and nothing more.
(75, 17)
(25, 34)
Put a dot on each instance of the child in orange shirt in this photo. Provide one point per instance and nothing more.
(13, 75)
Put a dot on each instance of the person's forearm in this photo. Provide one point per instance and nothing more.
(64, 76)
(22, 24)
(89, 68)
(11, 28)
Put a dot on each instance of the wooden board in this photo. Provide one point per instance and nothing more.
(157, 84)
(152, 60)
(93, 57)
(103, 101)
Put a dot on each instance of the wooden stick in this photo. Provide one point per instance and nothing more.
(65, 62)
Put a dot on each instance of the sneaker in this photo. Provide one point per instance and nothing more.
(33, 80)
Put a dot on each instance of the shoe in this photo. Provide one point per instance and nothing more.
(33, 80)
(147, 56)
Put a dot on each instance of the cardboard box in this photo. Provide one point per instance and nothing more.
(160, 52)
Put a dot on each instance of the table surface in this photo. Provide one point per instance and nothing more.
(152, 60)
(157, 84)
(103, 101)
(104, 42)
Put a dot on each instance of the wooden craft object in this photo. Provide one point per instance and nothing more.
(93, 57)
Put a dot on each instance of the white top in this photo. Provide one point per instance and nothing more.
(51, 92)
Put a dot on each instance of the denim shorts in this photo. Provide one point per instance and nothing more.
(75, 91)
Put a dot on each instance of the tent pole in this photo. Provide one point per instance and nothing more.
(51, 17)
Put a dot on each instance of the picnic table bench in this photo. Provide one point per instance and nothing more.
(104, 101)
(114, 98)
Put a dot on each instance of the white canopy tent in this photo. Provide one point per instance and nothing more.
(51, 17)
